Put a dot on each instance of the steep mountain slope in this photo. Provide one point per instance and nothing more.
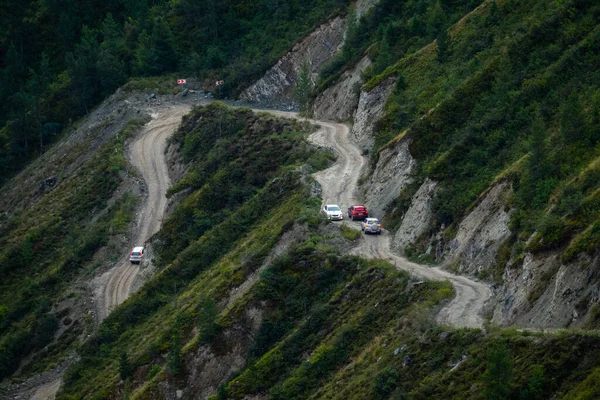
(310, 320)
(58, 60)
(484, 153)
(482, 147)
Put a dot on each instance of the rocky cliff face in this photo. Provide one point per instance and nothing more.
(317, 48)
(538, 291)
(370, 108)
(542, 292)
(340, 101)
(418, 217)
(481, 233)
(393, 172)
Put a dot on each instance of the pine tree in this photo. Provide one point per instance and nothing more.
(125, 367)
(82, 69)
(443, 44)
(493, 15)
(498, 375)
(572, 119)
(206, 320)
(303, 86)
(174, 362)
(537, 146)
(384, 54)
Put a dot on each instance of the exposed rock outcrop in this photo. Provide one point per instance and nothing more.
(481, 232)
(545, 293)
(417, 218)
(317, 48)
(392, 174)
(370, 109)
(363, 6)
(339, 102)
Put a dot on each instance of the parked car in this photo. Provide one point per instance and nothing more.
(357, 212)
(333, 212)
(136, 255)
(371, 225)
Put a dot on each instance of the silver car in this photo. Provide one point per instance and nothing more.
(371, 225)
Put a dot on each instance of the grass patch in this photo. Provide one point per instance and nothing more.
(349, 233)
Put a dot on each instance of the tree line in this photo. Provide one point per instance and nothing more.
(59, 59)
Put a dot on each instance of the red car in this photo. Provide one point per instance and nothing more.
(357, 212)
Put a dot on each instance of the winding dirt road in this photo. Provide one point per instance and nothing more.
(340, 184)
(147, 154)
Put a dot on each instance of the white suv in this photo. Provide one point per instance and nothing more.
(333, 212)
(136, 255)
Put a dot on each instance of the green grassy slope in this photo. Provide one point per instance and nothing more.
(245, 223)
(513, 94)
(44, 247)
(330, 326)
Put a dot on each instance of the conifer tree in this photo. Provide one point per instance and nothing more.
(443, 43)
(498, 375)
(125, 367)
(303, 86)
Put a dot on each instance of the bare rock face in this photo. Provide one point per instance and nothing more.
(210, 365)
(363, 6)
(370, 109)
(392, 174)
(418, 217)
(339, 102)
(317, 48)
(481, 232)
(545, 293)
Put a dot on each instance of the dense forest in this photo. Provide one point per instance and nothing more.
(59, 59)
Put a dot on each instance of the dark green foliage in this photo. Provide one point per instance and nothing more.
(125, 368)
(303, 86)
(443, 45)
(385, 382)
(95, 47)
(498, 374)
(44, 331)
(207, 326)
(535, 384)
(174, 361)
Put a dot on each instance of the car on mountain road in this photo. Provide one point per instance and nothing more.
(135, 257)
(333, 212)
(357, 212)
(371, 225)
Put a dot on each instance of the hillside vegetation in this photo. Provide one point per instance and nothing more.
(224, 319)
(45, 246)
(60, 59)
(512, 92)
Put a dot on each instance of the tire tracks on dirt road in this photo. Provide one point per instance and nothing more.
(147, 154)
(340, 184)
